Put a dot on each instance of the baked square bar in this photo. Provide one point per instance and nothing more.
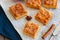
(18, 10)
(31, 29)
(50, 3)
(43, 16)
(34, 3)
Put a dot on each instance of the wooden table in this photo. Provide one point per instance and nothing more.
(3, 38)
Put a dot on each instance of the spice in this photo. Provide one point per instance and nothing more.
(28, 18)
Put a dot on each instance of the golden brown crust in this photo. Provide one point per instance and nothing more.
(50, 3)
(33, 3)
(17, 10)
(43, 16)
(31, 29)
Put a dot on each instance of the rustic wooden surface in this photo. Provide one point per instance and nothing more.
(3, 38)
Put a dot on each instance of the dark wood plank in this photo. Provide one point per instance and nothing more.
(6, 38)
(1, 37)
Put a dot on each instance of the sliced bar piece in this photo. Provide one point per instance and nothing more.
(18, 10)
(43, 15)
(50, 3)
(34, 3)
(31, 29)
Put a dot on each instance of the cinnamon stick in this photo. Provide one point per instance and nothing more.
(49, 31)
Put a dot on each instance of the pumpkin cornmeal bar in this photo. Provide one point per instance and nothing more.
(33, 3)
(43, 16)
(18, 10)
(50, 3)
(31, 29)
